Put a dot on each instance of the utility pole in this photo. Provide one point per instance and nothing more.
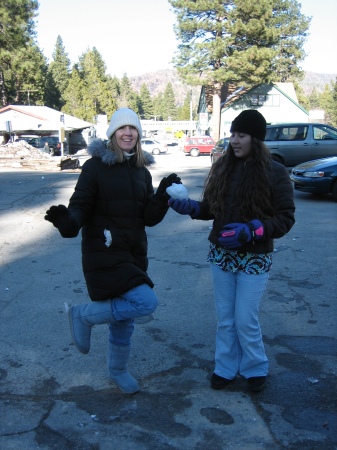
(191, 112)
(62, 134)
(28, 91)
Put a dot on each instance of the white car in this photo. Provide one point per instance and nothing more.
(153, 146)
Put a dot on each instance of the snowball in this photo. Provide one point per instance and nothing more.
(177, 191)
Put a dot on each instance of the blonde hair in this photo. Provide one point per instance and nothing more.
(139, 155)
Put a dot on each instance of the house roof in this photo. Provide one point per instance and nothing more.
(206, 96)
(286, 89)
(38, 119)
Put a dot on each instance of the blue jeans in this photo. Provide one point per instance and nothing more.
(239, 347)
(138, 302)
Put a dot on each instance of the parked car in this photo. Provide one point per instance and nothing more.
(219, 149)
(53, 142)
(198, 145)
(318, 176)
(295, 143)
(23, 138)
(153, 146)
(167, 138)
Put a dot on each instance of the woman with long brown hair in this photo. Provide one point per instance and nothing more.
(250, 199)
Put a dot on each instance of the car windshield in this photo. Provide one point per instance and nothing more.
(323, 132)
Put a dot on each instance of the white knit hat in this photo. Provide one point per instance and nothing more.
(122, 117)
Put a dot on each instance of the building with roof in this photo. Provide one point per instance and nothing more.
(22, 120)
(276, 101)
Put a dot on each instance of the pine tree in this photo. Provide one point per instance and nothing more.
(146, 102)
(169, 103)
(27, 76)
(158, 107)
(95, 88)
(314, 99)
(16, 36)
(108, 97)
(58, 72)
(128, 98)
(239, 42)
(73, 95)
(301, 96)
(184, 111)
(328, 102)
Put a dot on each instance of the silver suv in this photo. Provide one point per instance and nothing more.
(295, 143)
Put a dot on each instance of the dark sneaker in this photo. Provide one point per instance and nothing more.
(218, 382)
(256, 384)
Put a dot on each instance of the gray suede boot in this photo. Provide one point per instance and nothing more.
(83, 317)
(117, 361)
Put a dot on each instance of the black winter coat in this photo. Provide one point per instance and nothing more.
(276, 226)
(119, 198)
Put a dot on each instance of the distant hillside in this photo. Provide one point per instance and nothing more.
(157, 82)
(316, 80)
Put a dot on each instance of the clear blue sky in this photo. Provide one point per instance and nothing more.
(136, 37)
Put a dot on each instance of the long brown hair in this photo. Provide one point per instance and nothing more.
(254, 190)
(139, 155)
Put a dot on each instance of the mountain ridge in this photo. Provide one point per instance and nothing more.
(157, 82)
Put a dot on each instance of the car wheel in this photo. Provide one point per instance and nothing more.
(334, 191)
(155, 151)
(194, 152)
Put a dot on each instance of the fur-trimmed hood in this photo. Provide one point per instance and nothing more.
(97, 148)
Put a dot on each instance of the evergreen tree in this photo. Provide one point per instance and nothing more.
(301, 97)
(93, 85)
(128, 98)
(146, 102)
(333, 106)
(238, 42)
(73, 95)
(314, 99)
(58, 75)
(27, 76)
(17, 34)
(108, 98)
(184, 111)
(114, 86)
(135, 103)
(328, 102)
(158, 107)
(95, 90)
(169, 103)
(113, 91)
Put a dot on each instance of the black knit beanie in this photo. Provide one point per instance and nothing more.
(250, 122)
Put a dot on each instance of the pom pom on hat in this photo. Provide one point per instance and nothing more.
(121, 118)
(250, 122)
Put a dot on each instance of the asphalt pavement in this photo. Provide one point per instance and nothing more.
(53, 397)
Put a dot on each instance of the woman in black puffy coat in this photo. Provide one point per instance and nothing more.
(250, 199)
(112, 203)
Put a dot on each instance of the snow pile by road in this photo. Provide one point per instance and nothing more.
(22, 150)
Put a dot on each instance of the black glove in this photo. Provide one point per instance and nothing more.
(59, 217)
(165, 183)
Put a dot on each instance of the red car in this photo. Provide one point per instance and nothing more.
(198, 145)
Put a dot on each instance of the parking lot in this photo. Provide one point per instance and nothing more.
(53, 397)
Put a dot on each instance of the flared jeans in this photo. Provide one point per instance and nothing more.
(239, 347)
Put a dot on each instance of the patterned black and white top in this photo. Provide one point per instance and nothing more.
(235, 260)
